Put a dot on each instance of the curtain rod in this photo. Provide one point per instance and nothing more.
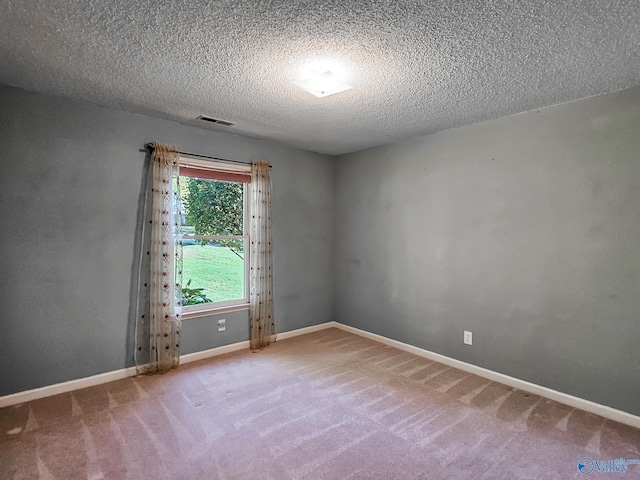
(149, 148)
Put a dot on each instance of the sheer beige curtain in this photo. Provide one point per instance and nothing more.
(261, 262)
(160, 324)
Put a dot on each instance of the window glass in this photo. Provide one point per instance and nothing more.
(214, 239)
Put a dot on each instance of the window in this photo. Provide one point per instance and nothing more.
(215, 265)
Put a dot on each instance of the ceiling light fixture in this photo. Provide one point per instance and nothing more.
(323, 84)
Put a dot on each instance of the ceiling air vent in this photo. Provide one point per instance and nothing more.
(224, 123)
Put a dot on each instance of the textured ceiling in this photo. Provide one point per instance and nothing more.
(416, 66)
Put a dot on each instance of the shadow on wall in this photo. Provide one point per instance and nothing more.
(138, 296)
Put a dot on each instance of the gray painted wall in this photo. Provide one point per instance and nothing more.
(524, 230)
(70, 190)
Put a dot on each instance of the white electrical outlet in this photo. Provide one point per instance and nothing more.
(222, 325)
(468, 338)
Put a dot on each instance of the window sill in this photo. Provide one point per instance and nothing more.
(214, 311)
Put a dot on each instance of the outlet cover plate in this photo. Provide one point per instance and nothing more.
(468, 338)
(222, 325)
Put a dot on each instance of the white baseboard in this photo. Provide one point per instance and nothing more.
(587, 405)
(305, 330)
(576, 402)
(64, 387)
(47, 391)
(213, 352)
(234, 347)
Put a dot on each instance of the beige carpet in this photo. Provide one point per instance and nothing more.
(328, 405)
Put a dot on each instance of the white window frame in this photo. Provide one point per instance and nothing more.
(212, 308)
